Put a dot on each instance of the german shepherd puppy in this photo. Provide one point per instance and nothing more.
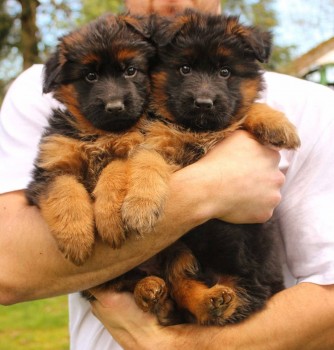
(100, 74)
(204, 86)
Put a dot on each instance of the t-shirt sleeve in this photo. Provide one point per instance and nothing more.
(23, 116)
(305, 215)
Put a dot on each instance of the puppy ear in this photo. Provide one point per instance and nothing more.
(259, 43)
(166, 28)
(141, 24)
(256, 42)
(52, 73)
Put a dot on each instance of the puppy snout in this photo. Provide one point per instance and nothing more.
(203, 103)
(114, 106)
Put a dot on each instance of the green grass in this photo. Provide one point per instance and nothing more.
(36, 325)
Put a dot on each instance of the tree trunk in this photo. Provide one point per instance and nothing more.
(29, 33)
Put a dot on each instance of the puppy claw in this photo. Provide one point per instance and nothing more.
(283, 137)
(140, 215)
(110, 228)
(113, 236)
(216, 305)
(149, 292)
(76, 246)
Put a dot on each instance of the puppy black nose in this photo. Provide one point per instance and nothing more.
(204, 103)
(114, 106)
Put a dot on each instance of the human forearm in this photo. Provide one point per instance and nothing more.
(299, 318)
(221, 185)
(36, 269)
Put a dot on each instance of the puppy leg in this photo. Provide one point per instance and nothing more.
(147, 191)
(67, 209)
(208, 305)
(109, 194)
(270, 126)
(151, 295)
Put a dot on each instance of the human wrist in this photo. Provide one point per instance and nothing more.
(193, 190)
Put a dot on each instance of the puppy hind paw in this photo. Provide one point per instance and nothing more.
(149, 292)
(216, 306)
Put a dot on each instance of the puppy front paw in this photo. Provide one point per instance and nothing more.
(74, 235)
(108, 196)
(68, 211)
(76, 249)
(140, 214)
(109, 222)
(283, 135)
(271, 126)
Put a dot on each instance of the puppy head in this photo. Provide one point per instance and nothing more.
(207, 72)
(100, 72)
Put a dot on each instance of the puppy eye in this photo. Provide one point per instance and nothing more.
(185, 70)
(225, 72)
(91, 77)
(130, 72)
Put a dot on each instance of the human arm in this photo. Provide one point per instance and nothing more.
(301, 317)
(36, 269)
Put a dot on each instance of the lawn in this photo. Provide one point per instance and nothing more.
(37, 325)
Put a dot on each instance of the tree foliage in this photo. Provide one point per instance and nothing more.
(91, 9)
(6, 23)
(29, 34)
(28, 29)
(259, 12)
(18, 30)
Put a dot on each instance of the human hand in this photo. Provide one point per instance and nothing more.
(134, 329)
(130, 327)
(242, 179)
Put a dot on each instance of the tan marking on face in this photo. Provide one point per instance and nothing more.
(250, 92)
(90, 58)
(159, 101)
(126, 54)
(68, 96)
(224, 51)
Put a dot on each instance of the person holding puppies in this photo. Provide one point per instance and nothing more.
(238, 181)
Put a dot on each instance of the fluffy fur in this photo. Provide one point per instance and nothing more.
(100, 74)
(94, 161)
(204, 86)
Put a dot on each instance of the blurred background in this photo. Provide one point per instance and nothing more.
(303, 46)
(303, 32)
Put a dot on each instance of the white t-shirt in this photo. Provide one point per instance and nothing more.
(305, 215)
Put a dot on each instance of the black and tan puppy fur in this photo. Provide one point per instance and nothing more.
(100, 74)
(204, 86)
